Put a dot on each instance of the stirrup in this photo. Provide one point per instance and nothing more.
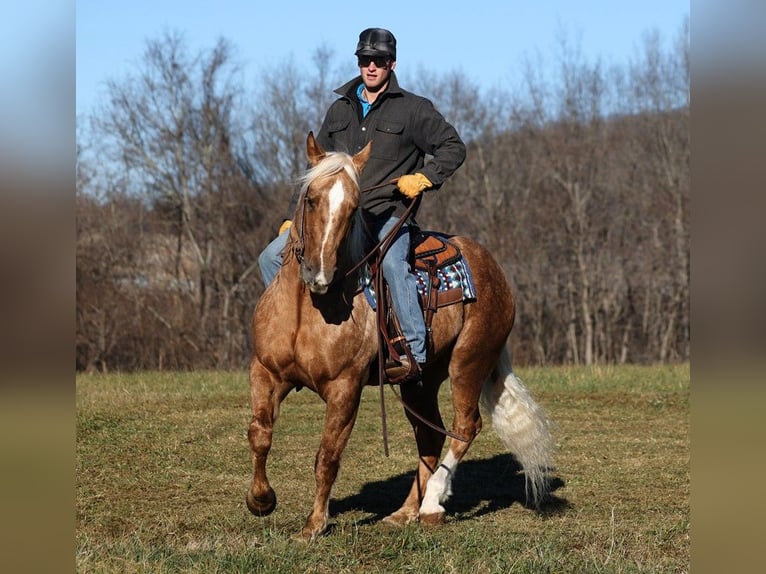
(401, 371)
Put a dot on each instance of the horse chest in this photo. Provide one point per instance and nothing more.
(330, 341)
(311, 339)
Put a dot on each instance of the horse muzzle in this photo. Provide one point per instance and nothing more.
(317, 283)
(318, 288)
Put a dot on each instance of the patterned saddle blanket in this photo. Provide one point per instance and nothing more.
(453, 277)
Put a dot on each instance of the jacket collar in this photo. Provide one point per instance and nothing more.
(348, 90)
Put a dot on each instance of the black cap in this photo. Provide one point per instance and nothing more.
(376, 42)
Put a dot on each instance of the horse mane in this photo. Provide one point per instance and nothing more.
(332, 163)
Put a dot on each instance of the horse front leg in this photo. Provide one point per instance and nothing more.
(340, 415)
(266, 394)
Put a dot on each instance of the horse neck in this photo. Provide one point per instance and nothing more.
(289, 272)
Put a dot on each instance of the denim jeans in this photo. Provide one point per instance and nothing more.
(396, 271)
(270, 259)
(403, 287)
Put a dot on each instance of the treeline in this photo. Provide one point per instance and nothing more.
(578, 183)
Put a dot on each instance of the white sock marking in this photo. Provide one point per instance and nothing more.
(439, 486)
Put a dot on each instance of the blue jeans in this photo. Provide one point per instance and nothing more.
(270, 259)
(396, 271)
(404, 289)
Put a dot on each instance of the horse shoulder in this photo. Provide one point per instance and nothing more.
(274, 327)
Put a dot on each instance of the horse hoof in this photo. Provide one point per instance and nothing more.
(433, 519)
(301, 537)
(399, 519)
(262, 506)
(306, 537)
(308, 534)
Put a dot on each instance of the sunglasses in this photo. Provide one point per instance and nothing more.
(379, 61)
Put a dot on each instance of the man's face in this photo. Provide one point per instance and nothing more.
(375, 71)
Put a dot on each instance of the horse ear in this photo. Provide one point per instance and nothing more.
(314, 150)
(360, 159)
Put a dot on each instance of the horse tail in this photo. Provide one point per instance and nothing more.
(521, 424)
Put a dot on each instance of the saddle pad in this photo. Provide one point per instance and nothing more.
(453, 276)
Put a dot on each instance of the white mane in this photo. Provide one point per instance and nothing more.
(333, 163)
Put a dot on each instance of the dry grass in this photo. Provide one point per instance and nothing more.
(163, 465)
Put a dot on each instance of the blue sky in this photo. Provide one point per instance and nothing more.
(487, 41)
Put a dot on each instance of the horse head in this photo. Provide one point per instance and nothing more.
(329, 198)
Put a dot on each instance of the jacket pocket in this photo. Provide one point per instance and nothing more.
(387, 140)
(337, 126)
(338, 136)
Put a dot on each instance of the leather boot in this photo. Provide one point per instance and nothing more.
(402, 372)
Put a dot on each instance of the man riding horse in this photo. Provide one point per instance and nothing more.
(404, 128)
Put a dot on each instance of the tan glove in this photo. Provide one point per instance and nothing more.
(412, 185)
(287, 224)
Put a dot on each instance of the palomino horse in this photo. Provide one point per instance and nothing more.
(313, 328)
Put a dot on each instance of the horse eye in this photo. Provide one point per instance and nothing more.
(309, 202)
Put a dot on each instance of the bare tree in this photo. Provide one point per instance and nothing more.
(288, 103)
(173, 128)
(660, 82)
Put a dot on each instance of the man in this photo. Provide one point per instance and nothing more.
(404, 129)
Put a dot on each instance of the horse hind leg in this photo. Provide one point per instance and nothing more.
(429, 444)
(438, 490)
(466, 381)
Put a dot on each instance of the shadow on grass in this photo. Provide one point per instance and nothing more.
(480, 487)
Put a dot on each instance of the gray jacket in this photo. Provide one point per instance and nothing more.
(404, 128)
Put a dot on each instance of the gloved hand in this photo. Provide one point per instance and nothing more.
(287, 224)
(413, 184)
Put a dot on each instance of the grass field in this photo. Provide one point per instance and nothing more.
(163, 465)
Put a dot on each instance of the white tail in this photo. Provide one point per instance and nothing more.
(521, 424)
